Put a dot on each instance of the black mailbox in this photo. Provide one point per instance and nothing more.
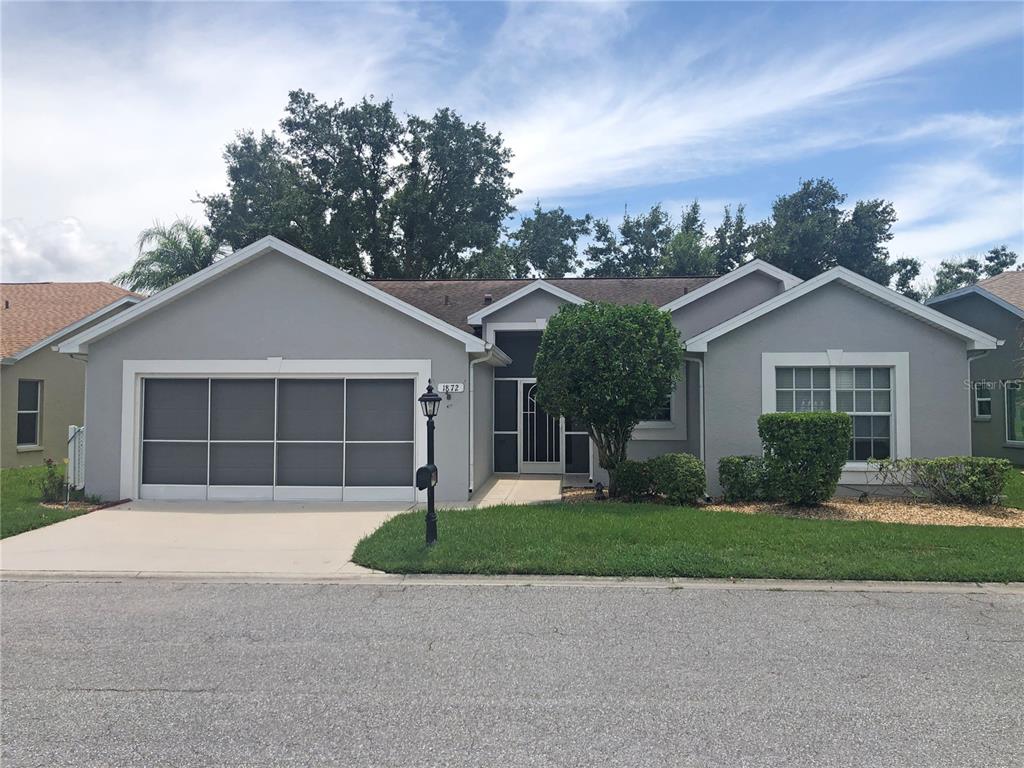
(426, 476)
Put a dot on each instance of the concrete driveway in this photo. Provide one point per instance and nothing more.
(202, 537)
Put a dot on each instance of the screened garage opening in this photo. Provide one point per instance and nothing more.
(278, 438)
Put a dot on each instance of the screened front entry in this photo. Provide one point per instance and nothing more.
(527, 439)
(278, 438)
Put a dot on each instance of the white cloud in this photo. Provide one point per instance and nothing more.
(55, 251)
(950, 208)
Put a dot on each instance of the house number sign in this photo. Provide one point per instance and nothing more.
(447, 389)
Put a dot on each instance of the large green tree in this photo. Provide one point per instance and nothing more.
(168, 254)
(730, 243)
(637, 251)
(810, 232)
(368, 191)
(547, 241)
(959, 273)
(606, 368)
(689, 252)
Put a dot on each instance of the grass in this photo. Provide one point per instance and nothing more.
(20, 509)
(1014, 489)
(611, 539)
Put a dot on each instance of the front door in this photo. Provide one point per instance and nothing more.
(541, 433)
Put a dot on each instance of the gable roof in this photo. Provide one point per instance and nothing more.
(80, 342)
(34, 315)
(537, 285)
(975, 339)
(1005, 290)
(756, 265)
(455, 300)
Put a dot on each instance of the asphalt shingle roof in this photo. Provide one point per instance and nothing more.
(31, 312)
(454, 300)
(1008, 286)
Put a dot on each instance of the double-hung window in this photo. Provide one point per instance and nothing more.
(30, 405)
(863, 392)
(982, 400)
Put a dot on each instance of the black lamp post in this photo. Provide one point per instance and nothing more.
(430, 401)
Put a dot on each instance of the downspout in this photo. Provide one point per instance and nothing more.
(472, 407)
(700, 407)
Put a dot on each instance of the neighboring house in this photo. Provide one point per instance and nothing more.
(996, 400)
(42, 392)
(272, 375)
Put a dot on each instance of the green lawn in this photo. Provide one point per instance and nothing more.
(610, 539)
(19, 502)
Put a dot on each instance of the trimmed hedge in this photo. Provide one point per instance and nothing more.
(952, 479)
(804, 454)
(743, 478)
(633, 480)
(679, 477)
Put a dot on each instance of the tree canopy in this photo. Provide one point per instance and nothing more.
(959, 273)
(367, 191)
(606, 368)
(168, 254)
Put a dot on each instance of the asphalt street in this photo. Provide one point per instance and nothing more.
(161, 673)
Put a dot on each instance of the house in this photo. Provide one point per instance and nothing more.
(42, 392)
(273, 375)
(996, 402)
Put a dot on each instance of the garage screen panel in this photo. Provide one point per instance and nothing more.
(174, 431)
(379, 432)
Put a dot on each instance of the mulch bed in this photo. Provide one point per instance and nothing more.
(883, 510)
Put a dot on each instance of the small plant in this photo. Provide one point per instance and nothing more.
(634, 480)
(51, 487)
(804, 454)
(951, 479)
(743, 478)
(679, 477)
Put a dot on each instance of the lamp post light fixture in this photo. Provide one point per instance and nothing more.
(426, 476)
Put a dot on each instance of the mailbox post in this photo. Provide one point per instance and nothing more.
(426, 476)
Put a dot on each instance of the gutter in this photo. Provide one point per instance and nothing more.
(700, 401)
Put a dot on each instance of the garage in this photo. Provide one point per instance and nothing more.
(277, 438)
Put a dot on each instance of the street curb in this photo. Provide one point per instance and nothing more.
(456, 580)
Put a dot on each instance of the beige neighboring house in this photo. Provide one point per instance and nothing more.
(42, 392)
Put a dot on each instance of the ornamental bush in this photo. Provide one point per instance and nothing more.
(951, 479)
(804, 454)
(743, 478)
(633, 480)
(679, 477)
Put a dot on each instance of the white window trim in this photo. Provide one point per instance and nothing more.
(34, 446)
(1006, 412)
(900, 402)
(668, 424)
(982, 416)
(134, 371)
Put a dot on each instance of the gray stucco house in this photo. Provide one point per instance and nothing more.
(272, 375)
(996, 405)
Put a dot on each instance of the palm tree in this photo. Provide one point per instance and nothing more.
(169, 254)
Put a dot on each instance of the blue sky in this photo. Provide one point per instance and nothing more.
(116, 114)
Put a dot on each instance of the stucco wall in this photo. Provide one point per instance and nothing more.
(273, 307)
(63, 402)
(996, 366)
(539, 304)
(728, 301)
(483, 424)
(835, 317)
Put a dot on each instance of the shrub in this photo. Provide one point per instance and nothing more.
(51, 487)
(804, 454)
(632, 479)
(952, 479)
(679, 477)
(743, 478)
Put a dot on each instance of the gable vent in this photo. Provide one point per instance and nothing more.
(488, 298)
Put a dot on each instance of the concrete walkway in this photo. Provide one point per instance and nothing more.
(518, 489)
(202, 537)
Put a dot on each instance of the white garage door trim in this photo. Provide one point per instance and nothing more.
(134, 371)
